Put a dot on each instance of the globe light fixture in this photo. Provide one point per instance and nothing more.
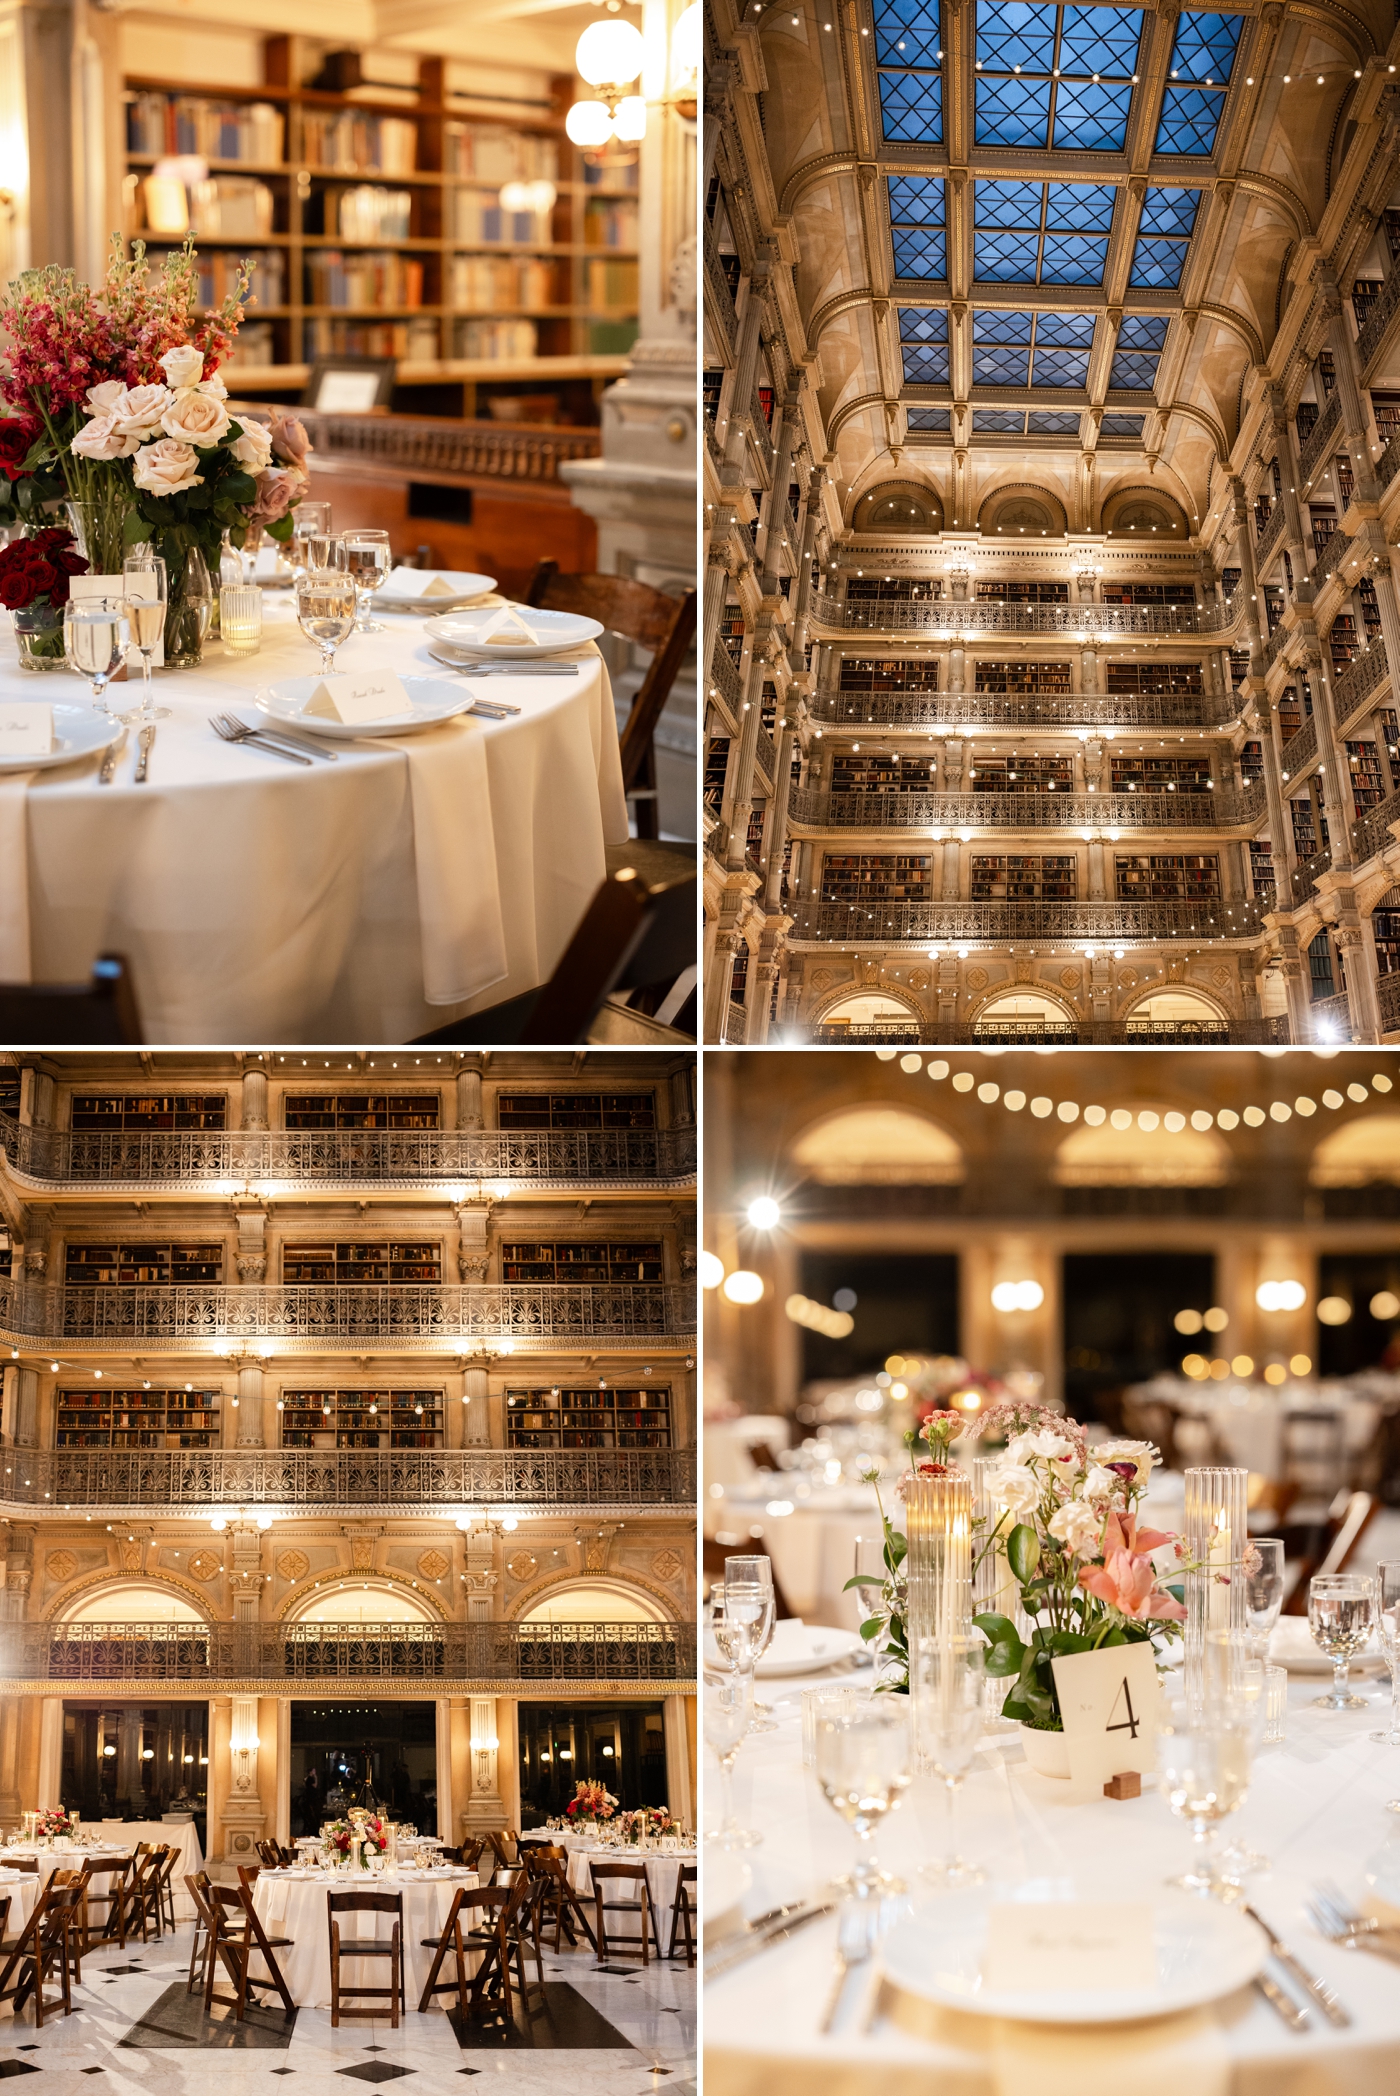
(1280, 1295)
(610, 53)
(609, 56)
(1009, 1296)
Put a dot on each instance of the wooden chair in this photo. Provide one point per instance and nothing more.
(113, 1870)
(605, 1874)
(143, 1891)
(557, 1900)
(1333, 1549)
(390, 1947)
(683, 1913)
(46, 1944)
(236, 1936)
(198, 1888)
(664, 626)
(268, 1854)
(505, 1844)
(95, 1014)
(451, 1944)
(508, 1935)
(470, 1852)
(165, 1887)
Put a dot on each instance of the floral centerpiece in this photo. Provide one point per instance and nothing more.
(34, 577)
(647, 1823)
(116, 407)
(1086, 1574)
(53, 1821)
(338, 1836)
(590, 1801)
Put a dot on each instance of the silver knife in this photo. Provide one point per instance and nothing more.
(1296, 2018)
(148, 736)
(1319, 1990)
(109, 762)
(749, 1946)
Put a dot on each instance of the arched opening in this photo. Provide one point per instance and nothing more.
(351, 1601)
(1138, 513)
(1172, 1016)
(898, 505)
(873, 1016)
(1022, 511)
(1025, 1015)
(595, 1601)
(1132, 1154)
(878, 1146)
(1364, 1151)
(134, 1602)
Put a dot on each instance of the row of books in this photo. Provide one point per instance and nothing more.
(611, 283)
(218, 273)
(414, 340)
(491, 153)
(234, 207)
(504, 281)
(476, 215)
(368, 213)
(610, 224)
(354, 139)
(159, 124)
(370, 277)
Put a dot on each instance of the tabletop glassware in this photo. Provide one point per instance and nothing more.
(1263, 1589)
(948, 1702)
(1235, 1672)
(864, 1764)
(311, 529)
(1341, 1616)
(1388, 1627)
(94, 641)
(726, 1713)
(326, 611)
(368, 559)
(756, 1571)
(148, 595)
(1203, 1763)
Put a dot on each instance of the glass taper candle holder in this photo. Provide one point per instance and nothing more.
(1215, 1532)
(938, 1566)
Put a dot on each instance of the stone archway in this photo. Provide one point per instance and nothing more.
(1022, 510)
(1026, 1011)
(1143, 513)
(897, 505)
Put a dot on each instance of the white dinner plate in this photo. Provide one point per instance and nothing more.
(807, 1648)
(394, 593)
(78, 731)
(1291, 1645)
(554, 631)
(1204, 1951)
(433, 700)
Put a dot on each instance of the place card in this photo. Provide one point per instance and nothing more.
(374, 696)
(26, 729)
(1108, 1707)
(1069, 1947)
(418, 583)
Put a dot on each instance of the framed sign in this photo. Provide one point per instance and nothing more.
(1108, 1707)
(350, 385)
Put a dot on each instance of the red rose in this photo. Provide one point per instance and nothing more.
(17, 433)
(17, 590)
(59, 592)
(71, 563)
(43, 574)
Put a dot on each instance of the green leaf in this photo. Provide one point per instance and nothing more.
(870, 1628)
(282, 531)
(1023, 1551)
(135, 529)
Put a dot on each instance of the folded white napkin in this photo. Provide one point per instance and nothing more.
(460, 927)
(506, 624)
(15, 965)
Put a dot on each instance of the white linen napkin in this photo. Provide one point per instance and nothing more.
(15, 963)
(1161, 2058)
(460, 926)
(273, 1911)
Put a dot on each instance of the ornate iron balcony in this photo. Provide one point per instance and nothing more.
(950, 711)
(1002, 923)
(280, 1652)
(1360, 677)
(1378, 320)
(1331, 557)
(1372, 833)
(398, 1481)
(957, 617)
(1301, 748)
(724, 675)
(1027, 811)
(1331, 1017)
(539, 1315)
(1275, 644)
(1388, 464)
(1321, 435)
(1270, 535)
(226, 1160)
(1388, 991)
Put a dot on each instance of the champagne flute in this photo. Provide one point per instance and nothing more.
(726, 1713)
(1203, 1759)
(1341, 1613)
(145, 615)
(311, 533)
(368, 558)
(757, 1571)
(1263, 1590)
(1388, 1624)
(863, 1767)
(1235, 1673)
(94, 641)
(948, 1701)
(326, 611)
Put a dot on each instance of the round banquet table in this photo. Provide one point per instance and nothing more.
(663, 1875)
(1315, 1806)
(288, 1905)
(125, 1837)
(371, 899)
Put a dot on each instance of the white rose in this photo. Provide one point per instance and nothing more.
(1098, 1483)
(101, 439)
(214, 387)
(1142, 1453)
(102, 399)
(193, 418)
(167, 468)
(1014, 1487)
(1076, 1525)
(137, 409)
(253, 448)
(183, 367)
(1051, 1445)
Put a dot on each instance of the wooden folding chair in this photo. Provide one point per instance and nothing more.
(450, 1944)
(143, 1891)
(236, 1937)
(604, 1874)
(508, 1935)
(113, 1871)
(50, 1945)
(390, 1947)
(505, 1844)
(198, 1887)
(165, 1887)
(557, 1899)
(683, 1913)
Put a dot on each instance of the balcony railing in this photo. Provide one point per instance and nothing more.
(280, 1652)
(1372, 833)
(765, 756)
(230, 1159)
(956, 617)
(1388, 994)
(1330, 1018)
(1269, 536)
(894, 1032)
(1032, 1033)
(1001, 923)
(399, 1481)
(1378, 320)
(1321, 435)
(1275, 645)
(950, 711)
(1027, 811)
(411, 1316)
(1331, 557)
(1300, 749)
(1388, 464)
(724, 674)
(1305, 874)
(736, 1025)
(1370, 668)
(721, 299)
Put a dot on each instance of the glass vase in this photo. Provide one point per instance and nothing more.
(96, 518)
(39, 637)
(190, 609)
(938, 1566)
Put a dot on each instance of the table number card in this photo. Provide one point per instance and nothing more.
(26, 729)
(1108, 1706)
(1066, 1946)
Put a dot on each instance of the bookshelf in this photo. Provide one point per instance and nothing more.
(360, 1265)
(588, 1418)
(377, 226)
(362, 1419)
(137, 1419)
(581, 1263)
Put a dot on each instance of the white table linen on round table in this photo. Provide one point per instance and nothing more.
(121, 1838)
(663, 1875)
(1316, 1807)
(370, 899)
(296, 1907)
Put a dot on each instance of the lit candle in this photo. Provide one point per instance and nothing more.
(240, 618)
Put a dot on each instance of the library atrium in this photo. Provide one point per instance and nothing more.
(1052, 448)
(349, 1467)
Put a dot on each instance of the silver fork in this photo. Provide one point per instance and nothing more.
(1340, 1923)
(274, 749)
(240, 730)
(853, 1930)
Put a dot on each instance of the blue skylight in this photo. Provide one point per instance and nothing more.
(998, 422)
(909, 53)
(1049, 422)
(1203, 56)
(929, 418)
(917, 227)
(1121, 426)
(1040, 232)
(1035, 349)
(1055, 77)
(1138, 351)
(923, 337)
(1164, 234)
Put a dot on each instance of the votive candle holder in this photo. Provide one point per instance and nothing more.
(240, 618)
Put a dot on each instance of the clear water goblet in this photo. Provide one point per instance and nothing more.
(326, 611)
(368, 558)
(1263, 1590)
(311, 528)
(1341, 1617)
(948, 1712)
(864, 1765)
(1203, 1762)
(756, 1571)
(1388, 1627)
(725, 1714)
(94, 642)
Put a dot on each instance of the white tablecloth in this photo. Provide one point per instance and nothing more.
(296, 1907)
(121, 1838)
(1315, 1806)
(368, 900)
(812, 1546)
(663, 1875)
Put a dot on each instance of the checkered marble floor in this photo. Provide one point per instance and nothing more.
(617, 2030)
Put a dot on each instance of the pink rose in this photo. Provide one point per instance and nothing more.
(138, 409)
(167, 468)
(101, 439)
(102, 399)
(183, 367)
(274, 497)
(193, 418)
(290, 442)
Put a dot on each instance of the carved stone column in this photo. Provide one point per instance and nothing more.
(739, 796)
(477, 1408)
(19, 1570)
(1354, 423)
(484, 1806)
(251, 1256)
(469, 1099)
(251, 1426)
(473, 1242)
(245, 1570)
(255, 1099)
